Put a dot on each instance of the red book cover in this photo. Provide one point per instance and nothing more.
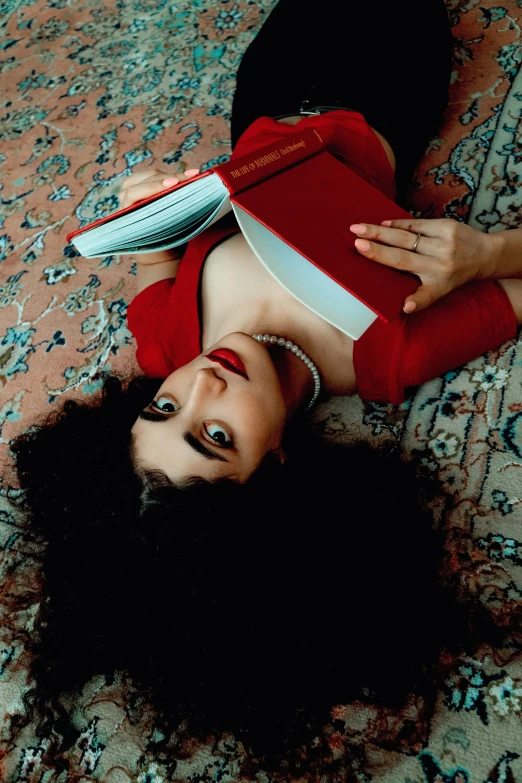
(306, 200)
(238, 173)
(249, 170)
(325, 198)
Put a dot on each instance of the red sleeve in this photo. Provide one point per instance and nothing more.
(146, 315)
(413, 349)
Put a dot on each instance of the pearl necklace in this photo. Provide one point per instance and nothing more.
(290, 346)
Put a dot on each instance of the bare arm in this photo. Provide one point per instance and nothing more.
(507, 263)
(506, 259)
(513, 288)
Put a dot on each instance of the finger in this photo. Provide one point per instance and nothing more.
(131, 183)
(170, 181)
(393, 256)
(395, 237)
(139, 176)
(427, 228)
(141, 190)
(422, 298)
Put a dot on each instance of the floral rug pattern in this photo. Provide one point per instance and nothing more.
(91, 91)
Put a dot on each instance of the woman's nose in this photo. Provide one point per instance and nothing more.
(206, 382)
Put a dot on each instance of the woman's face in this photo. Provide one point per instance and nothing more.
(212, 418)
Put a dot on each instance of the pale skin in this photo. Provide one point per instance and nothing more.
(203, 407)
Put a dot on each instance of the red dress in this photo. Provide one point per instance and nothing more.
(388, 359)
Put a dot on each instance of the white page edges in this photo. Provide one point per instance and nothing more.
(304, 280)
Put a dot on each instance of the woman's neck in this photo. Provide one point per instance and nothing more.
(263, 315)
(239, 295)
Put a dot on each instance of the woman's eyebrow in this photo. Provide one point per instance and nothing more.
(187, 436)
(200, 448)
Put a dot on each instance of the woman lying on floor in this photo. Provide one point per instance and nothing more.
(246, 577)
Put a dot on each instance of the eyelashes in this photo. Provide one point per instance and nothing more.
(218, 435)
(213, 432)
(157, 405)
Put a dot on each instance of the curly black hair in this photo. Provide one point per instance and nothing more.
(250, 609)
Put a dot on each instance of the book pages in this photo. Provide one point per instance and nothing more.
(167, 221)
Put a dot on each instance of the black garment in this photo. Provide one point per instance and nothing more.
(389, 59)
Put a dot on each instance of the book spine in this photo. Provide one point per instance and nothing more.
(244, 171)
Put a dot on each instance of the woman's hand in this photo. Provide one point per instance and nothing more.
(447, 255)
(143, 184)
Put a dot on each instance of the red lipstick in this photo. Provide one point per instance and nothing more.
(229, 360)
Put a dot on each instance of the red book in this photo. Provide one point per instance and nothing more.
(294, 203)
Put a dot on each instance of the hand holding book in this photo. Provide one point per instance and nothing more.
(142, 184)
(448, 255)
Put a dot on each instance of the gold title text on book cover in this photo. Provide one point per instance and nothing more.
(263, 160)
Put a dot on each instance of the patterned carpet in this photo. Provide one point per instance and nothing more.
(91, 90)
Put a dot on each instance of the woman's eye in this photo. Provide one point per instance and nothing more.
(165, 405)
(218, 434)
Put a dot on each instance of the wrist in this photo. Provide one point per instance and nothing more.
(492, 252)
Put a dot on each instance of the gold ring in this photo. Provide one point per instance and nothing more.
(414, 248)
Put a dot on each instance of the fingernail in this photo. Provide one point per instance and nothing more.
(358, 228)
(386, 223)
(191, 172)
(362, 244)
(409, 307)
(170, 181)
